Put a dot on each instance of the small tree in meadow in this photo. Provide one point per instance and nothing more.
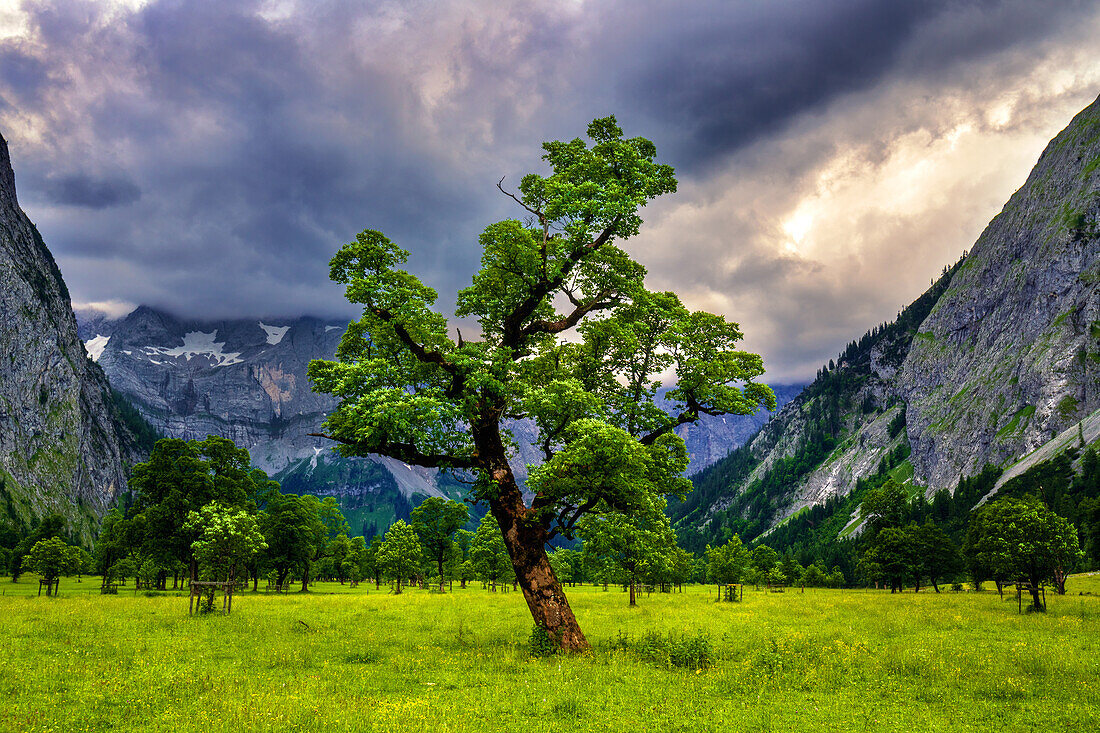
(228, 539)
(400, 553)
(435, 521)
(813, 576)
(638, 547)
(727, 563)
(489, 554)
(764, 559)
(940, 555)
(51, 559)
(1020, 539)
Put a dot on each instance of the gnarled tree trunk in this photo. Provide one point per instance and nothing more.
(525, 537)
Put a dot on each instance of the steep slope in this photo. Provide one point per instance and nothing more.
(995, 359)
(62, 445)
(838, 429)
(1010, 355)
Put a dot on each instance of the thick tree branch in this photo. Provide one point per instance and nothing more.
(565, 526)
(422, 354)
(513, 333)
(595, 303)
(691, 414)
(407, 453)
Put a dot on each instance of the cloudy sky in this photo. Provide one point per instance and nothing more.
(208, 156)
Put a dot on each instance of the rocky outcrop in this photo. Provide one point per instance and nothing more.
(1010, 355)
(242, 380)
(62, 448)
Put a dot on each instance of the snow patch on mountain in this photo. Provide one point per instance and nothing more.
(95, 346)
(199, 343)
(274, 333)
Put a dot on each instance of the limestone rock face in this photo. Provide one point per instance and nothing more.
(61, 448)
(242, 380)
(1010, 355)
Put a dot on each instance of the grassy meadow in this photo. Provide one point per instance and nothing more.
(363, 660)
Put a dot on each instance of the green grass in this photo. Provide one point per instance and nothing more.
(1018, 421)
(350, 660)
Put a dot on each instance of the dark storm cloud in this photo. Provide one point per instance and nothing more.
(83, 190)
(209, 157)
(731, 76)
(724, 78)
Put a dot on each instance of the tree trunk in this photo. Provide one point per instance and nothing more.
(1060, 581)
(525, 538)
(633, 597)
(1036, 604)
(305, 580)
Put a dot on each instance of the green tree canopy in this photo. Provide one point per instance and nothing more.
(764, 559)
(435, 521)
(228, 538)
(290, 527)
(1020, 539)
(727, 563)
(638, 546)
(181, 477)
(400, 553)
(488, 555)
(411, 389)
(52, 558)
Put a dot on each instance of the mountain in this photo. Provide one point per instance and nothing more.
(246, 380)
(997, 358)
(64, 444)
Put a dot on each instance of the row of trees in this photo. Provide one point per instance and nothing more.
(198, 509)
(1010, 539)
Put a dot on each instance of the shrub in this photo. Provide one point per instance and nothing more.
(540, 643)
(686, 652)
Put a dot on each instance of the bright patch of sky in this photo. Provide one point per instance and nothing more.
(274, 333)
(199, 343)
(95, 346)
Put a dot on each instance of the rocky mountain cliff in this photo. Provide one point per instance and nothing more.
(1010, 354)
(998, 357)
(246, 380)
(63, 447)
